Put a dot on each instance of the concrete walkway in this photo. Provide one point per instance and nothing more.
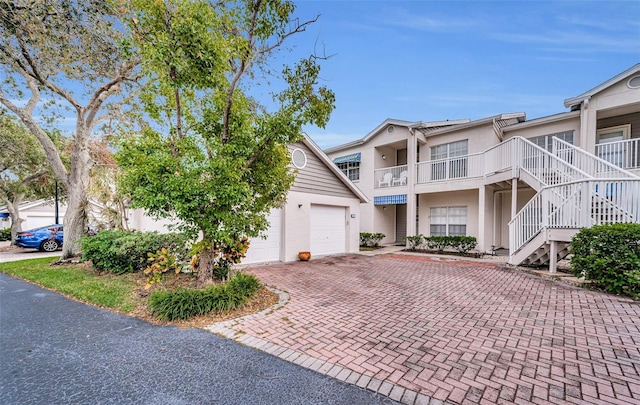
(421, 330)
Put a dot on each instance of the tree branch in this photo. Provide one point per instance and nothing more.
(50, 150)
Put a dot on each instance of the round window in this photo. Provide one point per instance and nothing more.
(634, 82)
(390, 129)
(299, 158)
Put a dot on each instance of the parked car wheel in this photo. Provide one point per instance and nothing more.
(49, 245)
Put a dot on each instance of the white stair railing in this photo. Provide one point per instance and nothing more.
(585, 203)
(587, 162)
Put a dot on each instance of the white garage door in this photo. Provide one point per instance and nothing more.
(32, 221)
(328, 230)
(267, 250)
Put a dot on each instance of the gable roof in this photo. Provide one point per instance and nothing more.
(333, 168)
(573, 101)
(401, 123)
(500, 122)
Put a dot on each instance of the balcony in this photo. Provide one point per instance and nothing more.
(624, 154)
(459, 167)
(388, 177)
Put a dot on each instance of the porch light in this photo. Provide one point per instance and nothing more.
(384, 157)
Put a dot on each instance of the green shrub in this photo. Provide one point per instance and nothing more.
(184, 304)
(121, 252)
(609, 255)
(438, 243)
(5, 234)
(415, 241)
(368, 239)
(462, 244)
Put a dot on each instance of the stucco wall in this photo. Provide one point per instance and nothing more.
(468, 198)
(297, 222)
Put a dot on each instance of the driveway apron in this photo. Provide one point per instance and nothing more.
(424, 331)
(57, 351)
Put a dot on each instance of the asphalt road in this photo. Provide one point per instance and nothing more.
(57, 351)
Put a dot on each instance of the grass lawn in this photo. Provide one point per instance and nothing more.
(122, 293)
(78, 281)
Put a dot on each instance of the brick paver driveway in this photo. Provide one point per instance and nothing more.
(422, 330)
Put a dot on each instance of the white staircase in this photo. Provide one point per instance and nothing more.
(575, 189)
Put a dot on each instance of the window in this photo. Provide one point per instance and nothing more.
(448, 221)
(610, 145)
(545, 141)
(350, 165)
(451, 168)
(350, 169)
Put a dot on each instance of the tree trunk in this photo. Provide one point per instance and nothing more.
(205, 267)
(14, 213)
(75, 218)
(16, 226)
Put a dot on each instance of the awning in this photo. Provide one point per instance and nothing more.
(354, 157)
(390, 199)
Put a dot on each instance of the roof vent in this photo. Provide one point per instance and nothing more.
(634, 82)
(299, 158)
(390, 129)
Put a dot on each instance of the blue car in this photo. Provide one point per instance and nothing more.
(47, 238)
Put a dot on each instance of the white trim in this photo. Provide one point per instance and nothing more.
(334, 169)
(579, 99)
(625, 129)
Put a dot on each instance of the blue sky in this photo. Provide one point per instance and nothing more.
(438, 60)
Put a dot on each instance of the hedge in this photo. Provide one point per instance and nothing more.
(121, 252)
(609, 255)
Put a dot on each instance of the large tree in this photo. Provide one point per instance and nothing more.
(58, 56)
(213, 156)
(24, 172)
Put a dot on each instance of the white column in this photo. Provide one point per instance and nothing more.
(588, 125)
(553, 254)
(481, 218)
(514, 198)
(412, 168)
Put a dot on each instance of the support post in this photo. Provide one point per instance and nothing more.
(553, 257)
(514, 198)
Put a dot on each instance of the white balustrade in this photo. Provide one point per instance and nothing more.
(390, 177)
(625, 154)
(594, 165)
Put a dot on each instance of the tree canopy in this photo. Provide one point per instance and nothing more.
(211, 155)
(61, 56)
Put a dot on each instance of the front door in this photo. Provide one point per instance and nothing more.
(401, 223)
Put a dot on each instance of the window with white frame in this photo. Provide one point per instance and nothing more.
(455, 166)
(448, 221)
(350, 169)
(545, 141)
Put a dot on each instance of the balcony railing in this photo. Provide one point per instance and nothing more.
(624, 154)
(588, 163)
(459, 167)
(395, 176)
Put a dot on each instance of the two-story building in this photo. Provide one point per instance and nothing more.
(524, 185)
